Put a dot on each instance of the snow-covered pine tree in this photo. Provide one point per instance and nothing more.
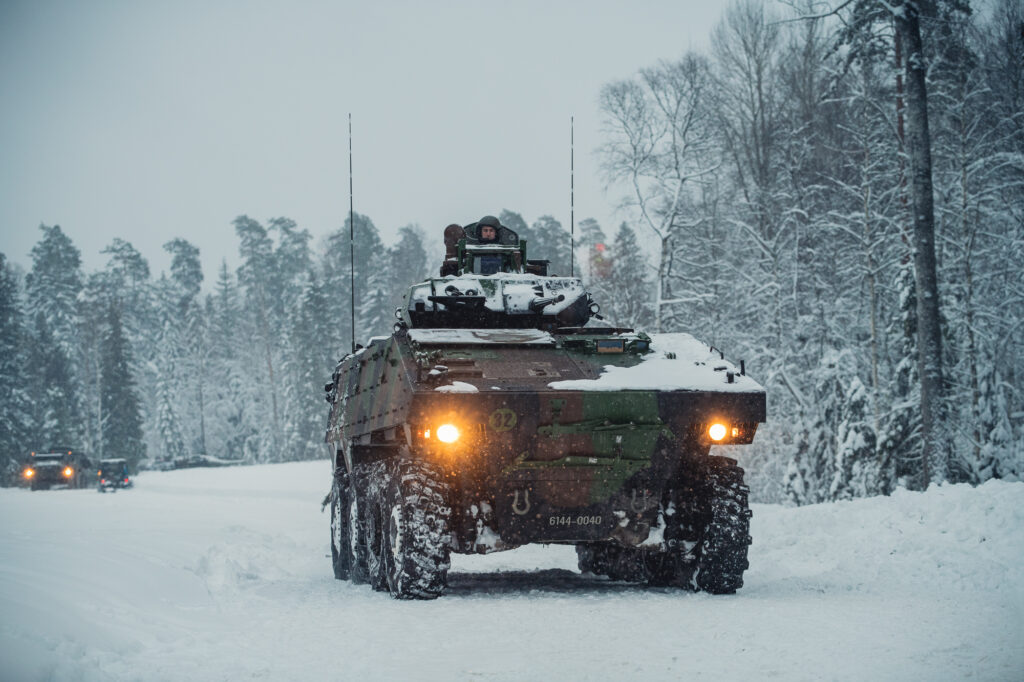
(374, 314)
(899, 440)
(186, 273)
(367, 249)
(309, 364)
(52, 288)
(1000, 286)
(797, 481)
(122, 421)
(552, 244)
(230, 423)
(169, 396)
(995, 457)
(99, 294)
(53, 285)
(855, 471)
(407, 263)
(816, 462)
(185, 328)
(53, 394)
(15, 408)
(629, 302)
(126, 283)
(127, 278)
(371, 278)
(292, 261)
(257, 275)
(172, 443)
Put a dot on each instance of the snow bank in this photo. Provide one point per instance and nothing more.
(953, 538)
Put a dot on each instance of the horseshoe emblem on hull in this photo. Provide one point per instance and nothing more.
(515, 503)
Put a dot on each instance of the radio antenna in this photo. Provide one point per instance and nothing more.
(572, 198)
(351, 238)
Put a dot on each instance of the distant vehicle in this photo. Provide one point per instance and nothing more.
(67, 468)
(113, 475)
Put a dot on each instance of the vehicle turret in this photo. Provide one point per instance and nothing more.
(490, 284)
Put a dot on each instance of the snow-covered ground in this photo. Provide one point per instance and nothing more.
(222, 574)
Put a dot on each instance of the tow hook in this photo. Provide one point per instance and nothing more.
(515, 503)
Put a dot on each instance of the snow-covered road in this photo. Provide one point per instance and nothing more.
(221, 574)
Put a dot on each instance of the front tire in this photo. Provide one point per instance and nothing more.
(374, 528)
(709, 531)
(341, 558)
(725, 536)
(416, 532)
(707, 535)
(356, 545)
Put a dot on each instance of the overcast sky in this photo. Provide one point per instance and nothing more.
(154, 120)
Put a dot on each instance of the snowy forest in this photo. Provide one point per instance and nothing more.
(833, 194)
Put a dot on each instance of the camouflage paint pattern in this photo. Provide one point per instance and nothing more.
(552, 465)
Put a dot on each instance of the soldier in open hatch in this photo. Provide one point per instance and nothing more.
(487, 232)
(495, 417)
(487, 229)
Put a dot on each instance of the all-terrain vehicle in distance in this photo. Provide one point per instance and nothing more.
(64, 467)
(113, 475)
(493, 418)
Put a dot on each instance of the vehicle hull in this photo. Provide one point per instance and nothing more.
(448, 438)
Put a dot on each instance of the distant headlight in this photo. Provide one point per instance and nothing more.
(717, 431)
(447, 433)
(68, 472)
(29, 473)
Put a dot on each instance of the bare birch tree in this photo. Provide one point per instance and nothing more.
(658, 127)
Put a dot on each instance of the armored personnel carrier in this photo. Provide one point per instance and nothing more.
(494, 417)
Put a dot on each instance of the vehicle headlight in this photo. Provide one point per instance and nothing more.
(29, 473)
(717, 431)
(447, 433)
(68, 472)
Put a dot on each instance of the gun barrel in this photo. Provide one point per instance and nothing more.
(539, 304)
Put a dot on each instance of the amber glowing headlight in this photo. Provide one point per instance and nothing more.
(717, 431)
(68, 472)
(447, 433)
(29, 473)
